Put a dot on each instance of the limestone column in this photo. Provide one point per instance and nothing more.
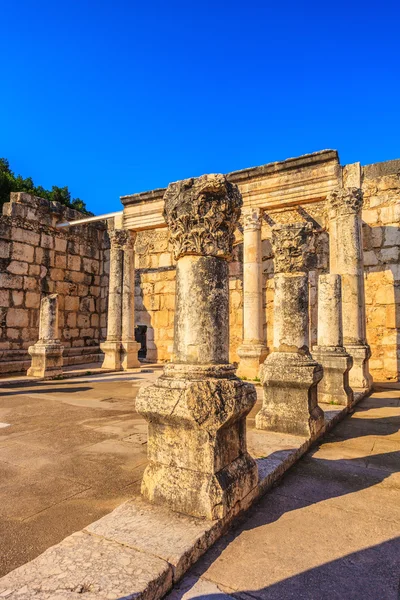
(253, 350)
(198, 459)
(120, 349)
(346, 259)
(130, 348)
(330, 353)
(289, 375)
(47, 353)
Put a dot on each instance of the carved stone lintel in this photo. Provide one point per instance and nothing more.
(202, 215)
(343, 201)
(251, 219)
(293, 246)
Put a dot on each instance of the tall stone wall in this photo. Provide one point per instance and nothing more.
(37, 259)
(381, 234)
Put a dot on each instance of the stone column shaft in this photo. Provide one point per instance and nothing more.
(289, 374)
(346, 259)
(253, 350)
(336, 362)
(47, 353)
(198, 459)
(120, 348)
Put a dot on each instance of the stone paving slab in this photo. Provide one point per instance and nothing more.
(88, 566)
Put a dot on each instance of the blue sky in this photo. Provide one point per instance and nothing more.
(112, 98)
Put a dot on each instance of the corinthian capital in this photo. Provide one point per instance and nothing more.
(121, 238)
(251, 219)
(293, 247)
(344, 201)
(202, 214)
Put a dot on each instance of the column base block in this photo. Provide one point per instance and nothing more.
(334, 387)
(129, 355)
(251, 357)
(120, 356)
(47, 359)
(359, 376)
(198, 460)
(290, 395)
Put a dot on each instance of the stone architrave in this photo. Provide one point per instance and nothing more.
(120, 348)
(346, 259)
(47, 353)
(252, 351)
(196, 411)
(290, 375)
(330, 353)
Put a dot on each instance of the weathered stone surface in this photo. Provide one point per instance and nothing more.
(47, 353)
(253, 350)
(289, 374)
(330, 353)
(202, 214)
(120, 348)
(346, 259)
(196, 411)
(90, 566)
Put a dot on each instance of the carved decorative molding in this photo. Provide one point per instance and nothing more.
(293, 245)
(122, 238)
(251, 219)
(343, 201)
(202, 214)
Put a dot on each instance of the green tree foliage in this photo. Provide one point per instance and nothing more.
(16, 183)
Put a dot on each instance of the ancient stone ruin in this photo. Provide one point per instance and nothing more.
(198, 459)
(101, 271)
(47, 353)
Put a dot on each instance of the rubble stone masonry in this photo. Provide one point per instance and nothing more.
(37, 259)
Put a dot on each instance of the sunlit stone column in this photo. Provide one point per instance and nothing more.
(346, 259)
(120, 349)
(198, 459)
(336, 362)
(47, 353)
(253, 350)
(289, 374)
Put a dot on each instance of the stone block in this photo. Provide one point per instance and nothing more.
(30, 283)
(165, 259)
(17, 297)
(23, 252)
(74, 263)
(34, 270)
(4, 249)
(17, 317)
(370, 258)
(4, 298)
(18, 268)
(392, 236)
(390, 255)
(60, 244)
(47, 241)
(57, 274)
(8, 280)
(72, 303)
(390, 215)
(60, 261)
(32, 300)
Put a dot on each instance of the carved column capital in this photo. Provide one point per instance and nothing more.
(344, 201)
(293, 247)
(122, 238)
(202, 214)
(251, 219)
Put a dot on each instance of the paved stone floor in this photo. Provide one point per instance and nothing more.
(331, 528)
(70, 452)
